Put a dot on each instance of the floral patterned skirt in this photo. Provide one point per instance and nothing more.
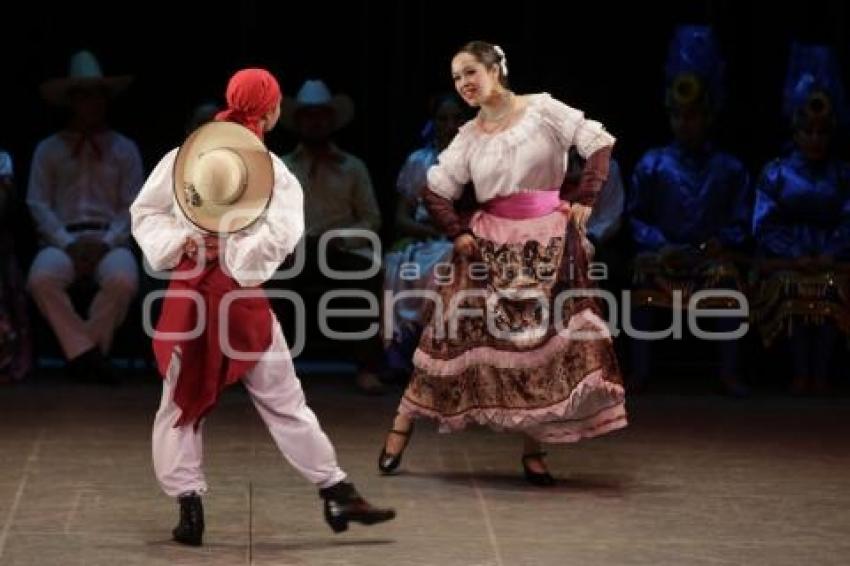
(513, 343)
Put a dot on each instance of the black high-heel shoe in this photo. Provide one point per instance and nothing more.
(539, 479)
(388, 463)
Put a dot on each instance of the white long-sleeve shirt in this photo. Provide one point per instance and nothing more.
(251, 256)
(338, 190)
(76, 180)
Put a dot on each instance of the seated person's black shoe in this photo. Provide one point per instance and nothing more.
(80, 367)
(190, 529)
(92, 367)
(344, 505)
(104, 372)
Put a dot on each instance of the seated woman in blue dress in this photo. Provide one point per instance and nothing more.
(689, 208)
(420, 245)
(801, 225)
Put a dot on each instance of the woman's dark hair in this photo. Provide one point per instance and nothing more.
(488, 55)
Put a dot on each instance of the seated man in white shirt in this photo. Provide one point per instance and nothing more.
(82, 182)
(338, 194)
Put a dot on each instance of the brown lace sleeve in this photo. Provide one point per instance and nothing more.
(593, 176)
(444, 215)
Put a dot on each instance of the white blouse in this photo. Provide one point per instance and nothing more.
(251, 256)
(531, 155)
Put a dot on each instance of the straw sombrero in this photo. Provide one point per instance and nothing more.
(223, 177)
(83, 73)
(315, 93)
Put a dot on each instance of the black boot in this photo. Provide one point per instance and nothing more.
(92, 367)
(343, 505)
(190, 529)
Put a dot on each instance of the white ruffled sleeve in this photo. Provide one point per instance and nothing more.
(253, 255)
(159, 233)
(451, 172)
(573, 129)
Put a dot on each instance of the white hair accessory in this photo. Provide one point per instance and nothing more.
(503, 61)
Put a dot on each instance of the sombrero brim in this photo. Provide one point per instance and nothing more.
(341, 104)
(55, 91)
(256, 197)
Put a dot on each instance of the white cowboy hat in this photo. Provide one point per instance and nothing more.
(223, 177)
(83, 72)
(316, 93)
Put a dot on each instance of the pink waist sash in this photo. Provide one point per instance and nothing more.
(521, 206)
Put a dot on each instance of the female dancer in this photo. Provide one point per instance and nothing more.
(536, 357)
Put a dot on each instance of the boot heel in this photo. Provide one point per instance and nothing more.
(344, 505)
(338, 525)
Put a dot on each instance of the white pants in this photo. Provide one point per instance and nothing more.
(117, 276)
(277, 395)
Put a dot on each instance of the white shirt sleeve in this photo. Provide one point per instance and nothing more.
(253, 255)
(159, 232)
(41, 186)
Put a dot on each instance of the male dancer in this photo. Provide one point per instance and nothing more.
(222, 212)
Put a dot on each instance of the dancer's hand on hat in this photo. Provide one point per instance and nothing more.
(465, 245)
(190, 247)
(209, 242)
(564, 208)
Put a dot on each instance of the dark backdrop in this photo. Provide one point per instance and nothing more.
(603, 57)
